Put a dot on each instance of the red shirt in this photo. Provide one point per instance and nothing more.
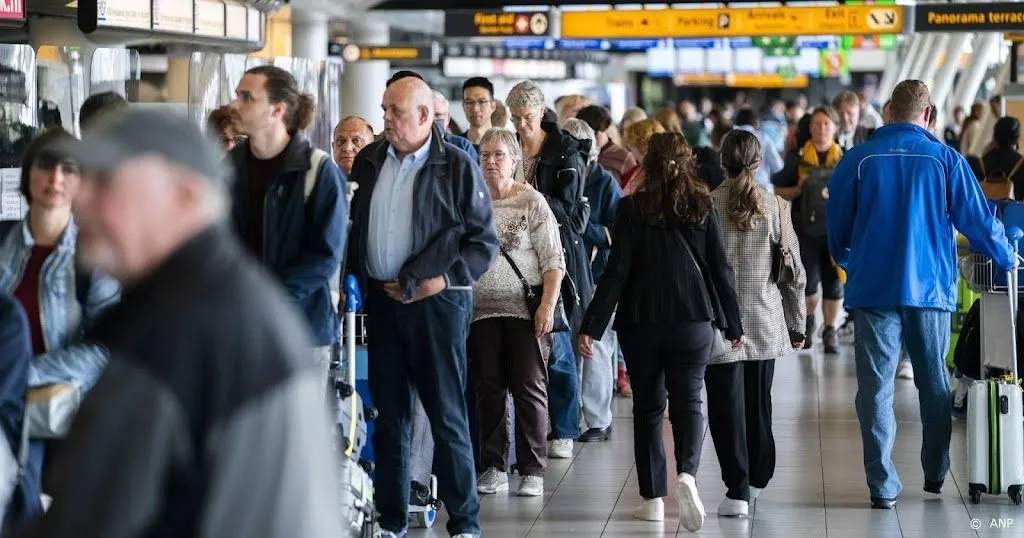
(28, 294)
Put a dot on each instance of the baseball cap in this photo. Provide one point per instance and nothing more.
(126, 134)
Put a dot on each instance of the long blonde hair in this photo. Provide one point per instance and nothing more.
(741, 155)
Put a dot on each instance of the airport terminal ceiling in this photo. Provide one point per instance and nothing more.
(402, 5)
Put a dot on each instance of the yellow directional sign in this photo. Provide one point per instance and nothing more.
(732, 22)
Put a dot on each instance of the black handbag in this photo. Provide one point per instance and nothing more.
(782, 260)
(534, 294)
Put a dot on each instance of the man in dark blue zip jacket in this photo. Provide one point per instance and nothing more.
(299, 236)
(422, 234)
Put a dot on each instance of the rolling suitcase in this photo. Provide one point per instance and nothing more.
(995, 421)
(357, 505)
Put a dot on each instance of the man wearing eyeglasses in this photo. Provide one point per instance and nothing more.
(443, 119)
(478, 104)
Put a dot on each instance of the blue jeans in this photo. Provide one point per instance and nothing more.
(563, 388)
(925, 333)
(420, 348)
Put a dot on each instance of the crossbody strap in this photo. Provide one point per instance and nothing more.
(783, 228)
(1015, 168)
(515, 268)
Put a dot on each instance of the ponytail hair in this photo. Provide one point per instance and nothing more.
(282, 88)
(741, 155)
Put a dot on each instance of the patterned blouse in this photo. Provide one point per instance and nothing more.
(529, 234)
(530, 169)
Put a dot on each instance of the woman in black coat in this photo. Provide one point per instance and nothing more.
(553, 163)
(671, 279)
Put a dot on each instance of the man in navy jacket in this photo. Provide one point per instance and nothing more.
(422, 234)
(297, 232)
(894, 202)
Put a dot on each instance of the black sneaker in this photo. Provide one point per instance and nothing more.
(879, 503)
(830, 340)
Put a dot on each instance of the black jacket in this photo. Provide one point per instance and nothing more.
(560, 178)
(210, 378)
(453, 228)
(303, 240)
(1000, 160)
(651, 278)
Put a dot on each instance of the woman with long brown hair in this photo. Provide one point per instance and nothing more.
(670, 277)
(755, 224)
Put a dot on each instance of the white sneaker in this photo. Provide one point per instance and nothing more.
(754, 492)
(492, 481)
(531, 486)
(733, 508)
(691, 510)
(465, 535)
(650, 510)
(905, 371)
(560, 449)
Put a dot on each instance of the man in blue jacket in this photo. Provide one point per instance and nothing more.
(289, 198)
(422, 234)
(894, 202)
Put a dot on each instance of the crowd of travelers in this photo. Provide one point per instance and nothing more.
(179, 290)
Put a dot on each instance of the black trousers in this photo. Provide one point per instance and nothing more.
(666, 363)
(740, 419)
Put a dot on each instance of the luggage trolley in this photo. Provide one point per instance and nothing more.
(423, 503)
(995, 421)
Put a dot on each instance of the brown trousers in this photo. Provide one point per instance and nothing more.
(505, 357)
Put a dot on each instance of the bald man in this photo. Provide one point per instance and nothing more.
(443, 118)
(422, 234)
(350, 136)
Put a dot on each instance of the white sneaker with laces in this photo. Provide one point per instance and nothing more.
(650, 510)
(754, 492)
(691, 510)
(560, 449)
(905, 371)
(531, 486)
(733, 508)
(492, 481)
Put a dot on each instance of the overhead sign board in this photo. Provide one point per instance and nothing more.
(131, 14)
(733, 22)
(419, 54)
(209, 17)
(488, 23)
(12, 10)
(176, 16)
(962, 17)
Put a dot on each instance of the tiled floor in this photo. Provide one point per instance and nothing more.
(818, 489)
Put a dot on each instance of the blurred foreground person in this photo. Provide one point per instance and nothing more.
(208, 420)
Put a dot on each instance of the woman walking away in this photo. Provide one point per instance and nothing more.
(508, 344)
(756, 228)
(669, 274)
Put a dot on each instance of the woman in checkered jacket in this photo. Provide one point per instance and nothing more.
(739, 381)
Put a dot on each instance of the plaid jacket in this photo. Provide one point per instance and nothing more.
(769, 311)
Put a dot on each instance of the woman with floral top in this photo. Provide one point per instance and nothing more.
(508, 347)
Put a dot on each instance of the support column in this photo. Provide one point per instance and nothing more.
(889, 77)
(311, 33)
(967, 88)
(906, 62)
(931, 63)
(927, 46)
(944, 79)
(178, 78)
(363, 83)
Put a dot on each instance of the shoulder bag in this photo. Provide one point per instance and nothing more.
(782, 261)
(534, 294)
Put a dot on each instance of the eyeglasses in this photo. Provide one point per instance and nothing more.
(226, 141)
(474, 104)
(498, 156)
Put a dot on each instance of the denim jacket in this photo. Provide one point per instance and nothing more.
(63, 319)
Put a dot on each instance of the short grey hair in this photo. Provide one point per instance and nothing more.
(581, 131)
(526, 94)
(634, 113)
(496, 135)
(438, 96)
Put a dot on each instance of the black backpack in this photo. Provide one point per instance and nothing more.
(813, 200)
(83, 276)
